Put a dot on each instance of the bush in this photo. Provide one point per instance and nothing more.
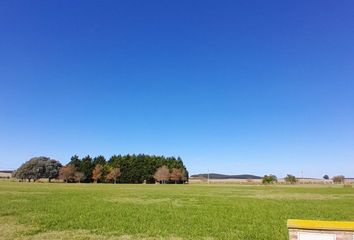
(269, 179)
(338, 179)
(290, 179)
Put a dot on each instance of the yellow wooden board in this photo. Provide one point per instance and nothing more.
(321, 225)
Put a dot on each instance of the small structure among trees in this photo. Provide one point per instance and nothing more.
(38, 167)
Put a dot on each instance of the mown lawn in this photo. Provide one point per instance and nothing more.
(107, 211)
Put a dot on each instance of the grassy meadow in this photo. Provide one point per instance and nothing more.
(107, 211)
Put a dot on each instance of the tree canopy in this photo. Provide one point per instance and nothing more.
(38, 167)
(127, 168)
(162, 174)
(290, 179)
(338, 179)
(119, 168)
(269, 179)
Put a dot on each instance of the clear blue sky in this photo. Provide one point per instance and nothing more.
(232, 86)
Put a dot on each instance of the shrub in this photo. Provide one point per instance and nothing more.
(269, 179)
(338, 179)
(290, 179)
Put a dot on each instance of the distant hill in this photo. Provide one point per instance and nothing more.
(223, 176)
(6, 171)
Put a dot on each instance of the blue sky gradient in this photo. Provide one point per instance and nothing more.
(231, 86)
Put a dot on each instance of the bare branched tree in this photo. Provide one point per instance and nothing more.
(176, 175)
(162, 174)
(97, 173)
(67, 173)
(113, 174)
(79, 176)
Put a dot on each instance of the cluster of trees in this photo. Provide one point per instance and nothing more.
(127, 169)
(269, 179)
(291, 179)
(38, 167)
(163, 175)
(338, 179)
(99, 174)
(335, 179)
(119, 168)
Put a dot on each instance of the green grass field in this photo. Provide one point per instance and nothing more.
(107, 211)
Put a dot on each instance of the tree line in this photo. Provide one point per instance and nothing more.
(117, 169)
(291, 179)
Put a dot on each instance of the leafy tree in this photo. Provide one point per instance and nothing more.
(290, 179)
(338, 179)
(97, 173)
(67, 173)
(326, 177)
(176, 175)
(76, 162)
(38, 167)
(99, 160)
(184, 175)
(86, 167)
(52, 168)
(269, 179)
(162, 174)
(113, 174)
(78, 176)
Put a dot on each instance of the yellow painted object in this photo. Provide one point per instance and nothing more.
(321, 225)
